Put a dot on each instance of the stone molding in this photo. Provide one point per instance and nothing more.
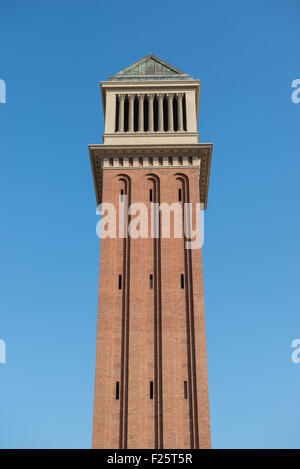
(156, 157)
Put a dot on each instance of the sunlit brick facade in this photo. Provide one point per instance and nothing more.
(151, 388)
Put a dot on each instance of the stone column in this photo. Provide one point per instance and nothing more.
(131, 113)
(150, 112)
(141, 112)
(160, 98)
(170, 112)
(121, 112)
(179, 97)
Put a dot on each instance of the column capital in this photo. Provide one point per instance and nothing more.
(131, 97)
(170, 95)
(140, 97)
(121, 97)
(160, 96)
(179, 95)
(150, 95)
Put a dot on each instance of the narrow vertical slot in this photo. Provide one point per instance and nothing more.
(146, 114)
(184, 112)
(126, 114)
(165, 114)
(179, 195)
(182, 280)
(151, 389)
(150, 195)
(117, 116)
(185, 389)
(151, 281)
(117, 389)
(155, 114)
(120, 282)
(136, 115)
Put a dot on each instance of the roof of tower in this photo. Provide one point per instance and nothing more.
(150, 68)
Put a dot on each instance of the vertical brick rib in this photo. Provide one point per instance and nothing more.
(156, 397)
(188, 328)
(192, 331)
(125, 324)
(159, 325)
(191, 353)
(158, 414)
(123, 332)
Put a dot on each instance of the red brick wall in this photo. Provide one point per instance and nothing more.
(184, 423)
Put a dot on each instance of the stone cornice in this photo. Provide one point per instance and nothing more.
(157, 133)
(135, 157)
(150, 84)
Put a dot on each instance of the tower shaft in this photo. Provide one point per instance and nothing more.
(151, 387)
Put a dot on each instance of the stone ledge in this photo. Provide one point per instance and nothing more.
(194, 156)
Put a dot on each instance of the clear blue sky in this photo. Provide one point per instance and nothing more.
(53, 55)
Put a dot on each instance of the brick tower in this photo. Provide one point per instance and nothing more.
(151, 388)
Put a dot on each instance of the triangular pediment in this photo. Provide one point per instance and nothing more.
(150, 68)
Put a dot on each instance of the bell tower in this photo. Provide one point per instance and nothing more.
(151, 387)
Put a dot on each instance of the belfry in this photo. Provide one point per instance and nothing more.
(151, 386)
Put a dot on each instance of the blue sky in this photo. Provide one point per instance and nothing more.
(53, 55)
